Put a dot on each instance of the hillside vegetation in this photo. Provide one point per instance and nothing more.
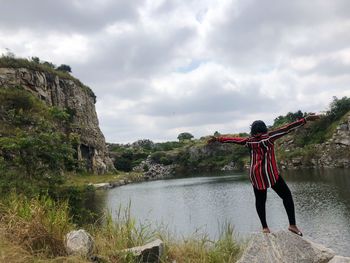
(196, 155)
(34, 149)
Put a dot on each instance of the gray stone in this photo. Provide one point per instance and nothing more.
(79, 242)
(151, 252)
(102, 186)
(284, 247)
(228, 167)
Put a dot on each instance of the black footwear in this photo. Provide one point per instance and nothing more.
(295, 232)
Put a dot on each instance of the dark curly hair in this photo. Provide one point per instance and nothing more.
(258, 127)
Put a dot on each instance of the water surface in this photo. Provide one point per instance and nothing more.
(204, 203)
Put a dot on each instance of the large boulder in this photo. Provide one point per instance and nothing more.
(285, 247)
(79, 242)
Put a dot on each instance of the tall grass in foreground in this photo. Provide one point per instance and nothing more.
(38, 224)
(33, 230)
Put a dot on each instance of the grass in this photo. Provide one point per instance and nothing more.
(33, 230)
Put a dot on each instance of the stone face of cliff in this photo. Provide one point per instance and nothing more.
(77, 99)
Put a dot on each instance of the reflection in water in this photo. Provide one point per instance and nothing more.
(322, 200)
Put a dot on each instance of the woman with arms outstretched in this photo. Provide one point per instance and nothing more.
(263, 168)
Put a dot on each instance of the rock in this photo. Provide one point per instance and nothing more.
(152, 170)
(151, 252)
(78, 100)
(79, 242)
(296, 161)
(340, 259)
(228, 167)
(102, 186)
(284, 247)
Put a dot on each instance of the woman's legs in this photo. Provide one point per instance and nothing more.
(283, 191)
(260, 200)
(281, 188)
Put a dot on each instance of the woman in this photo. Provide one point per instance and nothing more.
(263, 167)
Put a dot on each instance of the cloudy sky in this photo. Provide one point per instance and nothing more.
(161, 67)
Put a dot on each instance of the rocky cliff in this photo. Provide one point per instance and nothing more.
(78, 99)
(335, 152)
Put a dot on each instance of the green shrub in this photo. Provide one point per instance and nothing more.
(123, 164)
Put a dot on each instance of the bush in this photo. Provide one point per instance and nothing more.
(184, 136)
(64, 68)
(123, 164)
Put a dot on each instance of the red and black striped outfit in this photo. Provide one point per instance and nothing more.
(263, 168)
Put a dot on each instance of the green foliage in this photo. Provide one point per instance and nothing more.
(34, 152)
(323, 129)
(184, 136)
(161, 157)
(167, 146)
(123, 163)
(64, 68)
(290, 117)
(36, 60)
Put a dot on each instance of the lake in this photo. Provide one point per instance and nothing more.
(205, 202)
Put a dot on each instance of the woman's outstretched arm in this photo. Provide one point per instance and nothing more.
(223, 139)
(274, 135)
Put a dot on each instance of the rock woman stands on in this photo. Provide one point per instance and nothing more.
(263, 168)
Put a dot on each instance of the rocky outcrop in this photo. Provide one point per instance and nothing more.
(286, 247)
(152, 170)
(78, 99)
(334, 153)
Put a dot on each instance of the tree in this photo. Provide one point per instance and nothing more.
(36, 60)
(216, 134)
(184, 136)
(65, 68)
(290, 117)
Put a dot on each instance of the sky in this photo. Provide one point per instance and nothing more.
(162, 67)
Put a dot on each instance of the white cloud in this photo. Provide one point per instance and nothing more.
(163, 67)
